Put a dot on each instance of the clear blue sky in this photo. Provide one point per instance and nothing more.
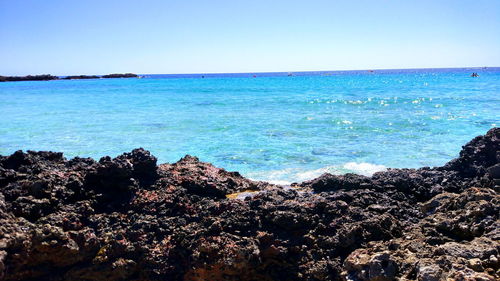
(199, 36)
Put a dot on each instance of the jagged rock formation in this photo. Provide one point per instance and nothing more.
(128, 219)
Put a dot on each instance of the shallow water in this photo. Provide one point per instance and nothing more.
(273, 127)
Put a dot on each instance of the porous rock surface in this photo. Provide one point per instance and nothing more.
(128, 218)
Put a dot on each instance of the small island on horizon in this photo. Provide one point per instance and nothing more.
(47, 77)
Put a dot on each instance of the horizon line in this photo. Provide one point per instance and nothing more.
(339, 70)
(257, 72)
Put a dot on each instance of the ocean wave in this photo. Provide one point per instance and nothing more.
(290, 175)
(363, 168)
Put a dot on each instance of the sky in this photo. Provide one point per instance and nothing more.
(220, 36)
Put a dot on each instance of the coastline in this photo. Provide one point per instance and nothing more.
(49, 77)
(127, 218)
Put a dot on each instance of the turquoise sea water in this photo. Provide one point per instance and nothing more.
(272, 127)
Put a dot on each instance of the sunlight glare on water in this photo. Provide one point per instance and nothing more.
(276, 128)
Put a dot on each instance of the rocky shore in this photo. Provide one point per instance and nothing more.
(46, 77)
(127, 218)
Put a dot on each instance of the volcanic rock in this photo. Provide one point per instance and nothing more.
(127, 218)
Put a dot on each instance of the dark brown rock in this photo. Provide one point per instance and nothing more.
(125, 218)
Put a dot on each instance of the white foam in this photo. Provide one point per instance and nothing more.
(279, 182)
(289, 175)
(365, 169)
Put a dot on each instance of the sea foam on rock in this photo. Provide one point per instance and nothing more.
(127, 218)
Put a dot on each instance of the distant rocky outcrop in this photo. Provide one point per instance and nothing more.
(43, 77)
(74, 77)
(124, 75)
(127, 218)
(46, 77)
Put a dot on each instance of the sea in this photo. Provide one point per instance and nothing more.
(280, 127)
